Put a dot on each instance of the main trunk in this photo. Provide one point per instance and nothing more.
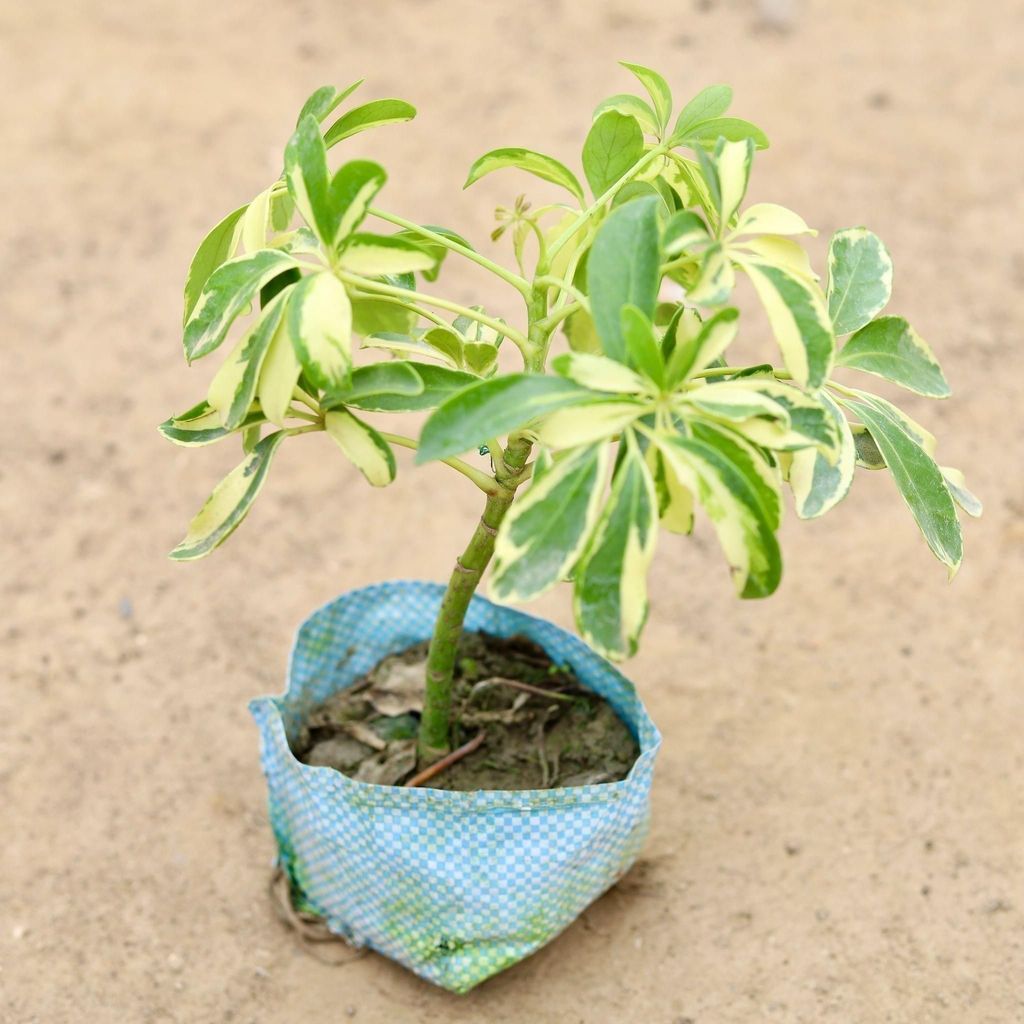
(436, 724)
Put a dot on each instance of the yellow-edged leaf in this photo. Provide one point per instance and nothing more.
(365, 448)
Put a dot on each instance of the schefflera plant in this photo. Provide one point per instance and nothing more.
(640, 423)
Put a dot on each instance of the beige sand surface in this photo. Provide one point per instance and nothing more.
(839, 827)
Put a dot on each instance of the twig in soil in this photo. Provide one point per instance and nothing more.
(309, 929)
(515, 684)
(448, 760)
(545, 772)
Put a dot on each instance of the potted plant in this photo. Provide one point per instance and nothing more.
(643, 422)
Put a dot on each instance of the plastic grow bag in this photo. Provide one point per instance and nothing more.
(455, 886)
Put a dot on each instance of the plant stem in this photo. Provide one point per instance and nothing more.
(519, 283)
(486, 483)
(436, 723)
(378, 288)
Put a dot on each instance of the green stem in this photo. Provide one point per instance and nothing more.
(519, 283)
(486, 483)
(436, 723)
(598, 204)
(378, 288)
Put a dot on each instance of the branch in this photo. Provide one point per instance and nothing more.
(520, 284)
(486, 483)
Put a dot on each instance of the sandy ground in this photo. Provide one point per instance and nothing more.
(839, 821)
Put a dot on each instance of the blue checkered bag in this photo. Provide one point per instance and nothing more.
(456, 886)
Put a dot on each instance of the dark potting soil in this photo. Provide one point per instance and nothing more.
(543, 729)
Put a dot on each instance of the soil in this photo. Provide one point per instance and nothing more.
(838, 812)
(542, 728)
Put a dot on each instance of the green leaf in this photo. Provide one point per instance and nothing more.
(732, 129)
(799, 320)
(859, 278)
(612, 146)
(228, 291)
(890, 348)
(376, 317)
(920, 482)
(732, 495)
(610, 593)
(214, 249)
(631, 106)
(546, 529)
(320, 325)
(233, 388)
(624, 268)
(537, 164)
(202, 425)
(369, 115)
(363, 446)
(325, 100)
(868, 455)
(657, 88)
(581, 333)
(370, 382)
(642, 348)
(709, 103)
(439, 384)
(374, 255)
(229, 503)
(817, 484)
(490, 408)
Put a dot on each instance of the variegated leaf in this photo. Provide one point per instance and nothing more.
(598, 372)
(610, 593)
(716, 279)
(546, 529)
(771, 219)
(320, 326)
(958, 489)
(229, 503)
(325, 100)
(727, 171)
(584, 424)
(859, 278)
(491, 408)
(675, 502)
(279, 375)
(709, 103)
(643, 349)
(202, 425)
(631, 106)
(233, 388)
(920, 482)
(217, 247)
(732, 497)
(696, 352)
(439, 384)
(682, 232)
(374, 255)
(353, 188)
(891, 349)
(256, 222)
(817, 484)
(657, 88)
(799, 320)
(227, 293)
(363, 446)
